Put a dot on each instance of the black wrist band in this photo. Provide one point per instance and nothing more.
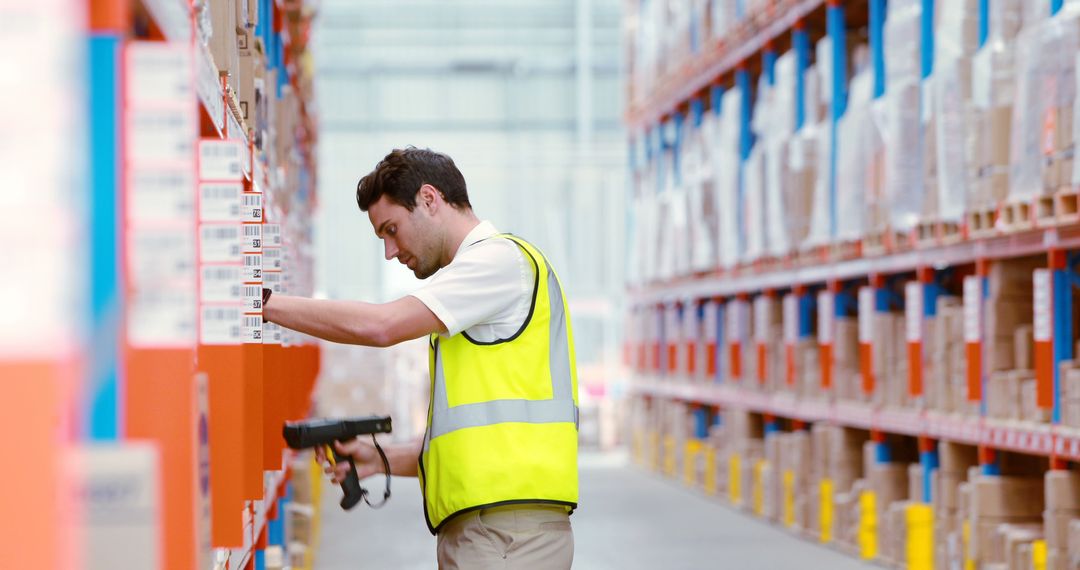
(266, 295)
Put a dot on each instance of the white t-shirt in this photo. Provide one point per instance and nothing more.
(485, 291)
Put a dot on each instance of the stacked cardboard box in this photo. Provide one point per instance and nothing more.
(846, 359)
(1004, 512)
(890, 358)
(1008, 307)
(847, 517)
(808, 365)
(955, 461)
(946, 356)
(1070, 393)
(889, 482)
(1062, 508)
(769, 335)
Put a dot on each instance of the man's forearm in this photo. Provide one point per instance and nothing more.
(347, 322)
(403, 457)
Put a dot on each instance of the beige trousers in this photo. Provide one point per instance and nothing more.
(512, 537)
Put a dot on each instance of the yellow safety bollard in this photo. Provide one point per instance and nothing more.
(1038, 555)
(710, 470)
(868, 525)
(826, 491)
(690, 457)
(654, 450)
(759, 487)
(669, 456)
(965, 539)
(735, 479)
(789, 498)
(920, 537)
(638, 447)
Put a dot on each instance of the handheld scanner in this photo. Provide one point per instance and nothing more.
(312, 433)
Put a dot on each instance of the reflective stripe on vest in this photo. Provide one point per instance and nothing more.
(560, 408)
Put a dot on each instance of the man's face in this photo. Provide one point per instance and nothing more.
(409, 237)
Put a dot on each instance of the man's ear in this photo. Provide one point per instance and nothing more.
(429, 197)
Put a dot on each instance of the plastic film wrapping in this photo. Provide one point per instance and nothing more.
(754, 203)
(696, 175)
(779, 179)
(857, 141)
(903, 127)
(993, 91)
(725, 154)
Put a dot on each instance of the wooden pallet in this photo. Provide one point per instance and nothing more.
(926, 234)
(950, 232)
(874, 244)
(1067, 206)
(847, 249)
(1016, 217)
(981, 222)
(1045, 208)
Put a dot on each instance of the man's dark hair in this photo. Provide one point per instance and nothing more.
(401, 173)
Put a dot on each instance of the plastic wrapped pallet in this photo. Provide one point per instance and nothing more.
(725, 155)
(697, 177)
(753, 220)
(903, 126)
(857, 140)
(782, 204)
(951, 105)
(1046, 92)
(819, 130)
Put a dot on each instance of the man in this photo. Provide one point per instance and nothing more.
(498, 462)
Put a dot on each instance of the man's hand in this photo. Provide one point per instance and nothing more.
(365, 457)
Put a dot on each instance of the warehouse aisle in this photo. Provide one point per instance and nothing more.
(629, 520)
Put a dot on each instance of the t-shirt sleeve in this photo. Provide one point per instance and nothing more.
(481, 283)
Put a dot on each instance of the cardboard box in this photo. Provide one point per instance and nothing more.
(1023, 344)
(1056, 527)
(1057, 560)
(1020, 497)
(1062, 490)
(916, 483)
(956, 458)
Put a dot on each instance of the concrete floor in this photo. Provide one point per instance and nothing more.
(628, 519)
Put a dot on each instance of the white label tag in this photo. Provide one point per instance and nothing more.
(913, 310)
(736, 321)
(158, 256)
(690, 331)
(866, 315)
(252, 240)
(160, 136)
(271, 333)
(221, 325)
(671, 325)
(791, 318)
(253, 270)
(219, 243)
(158, 73)
(156, 195)
(271, 257)
(220, 283)
(220, 201)
(272, 281)
(161, 318)
(208, 86)
(972, 308)
(826, 317)
(761, 319)
(252, 295)
(710, 321)
(221, 160)
(1043, 301)
(252, 207)
(272, 235)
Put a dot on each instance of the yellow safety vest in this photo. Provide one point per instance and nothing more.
(503, 417)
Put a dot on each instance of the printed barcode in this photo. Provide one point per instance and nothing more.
(222, 273)
(221, 150)
(219, 191)
(271, 254)
(272, 230)
(251, 199)
(252, 260)
(252, 291)
(221, 313)
(252, 230)
(220, 232)
(253, 321)
(271, 277)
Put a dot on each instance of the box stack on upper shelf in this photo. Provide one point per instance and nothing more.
(878, 201)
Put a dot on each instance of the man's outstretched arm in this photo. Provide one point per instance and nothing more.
(354, 322)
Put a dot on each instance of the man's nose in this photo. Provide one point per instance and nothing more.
(391, 250)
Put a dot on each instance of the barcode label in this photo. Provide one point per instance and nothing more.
(159, 256)
(158, 72)
(736, 321)
(866, 315)
(272, 235)
(252, 237)
(219, 243)
(271, 333)
(160, 136)
(161, 318)
(253, 329)
(220, 284)
(252, 207)
(253, 271)
(220, 159)
(761, 319)
(913, 308)
(252, 298)
(221, 325)
(219, 202)
(972, 308)
(1043, 306)
(157, 195)
(826, 316)
(711, 310)
(272, 280)
(791, 318)
(271, 257)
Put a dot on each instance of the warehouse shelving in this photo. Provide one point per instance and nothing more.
(883, 285)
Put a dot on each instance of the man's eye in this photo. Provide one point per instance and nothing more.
(391, 231)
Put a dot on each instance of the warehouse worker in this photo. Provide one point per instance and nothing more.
(498, 462)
